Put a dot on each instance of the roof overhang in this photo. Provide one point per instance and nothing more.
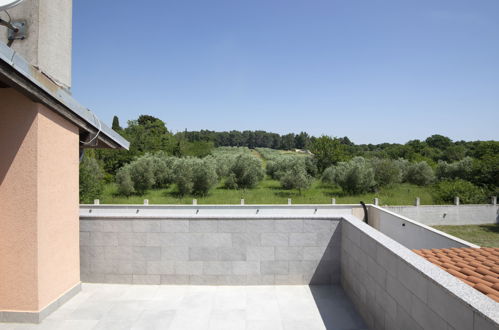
(17, 73)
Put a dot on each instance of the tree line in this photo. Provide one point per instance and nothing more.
(451, 166)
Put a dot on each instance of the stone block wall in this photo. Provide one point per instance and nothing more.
(210, 251)
(394, 288)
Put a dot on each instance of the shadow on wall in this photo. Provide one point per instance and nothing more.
(328, 269)
(335, 308)
(16, 119)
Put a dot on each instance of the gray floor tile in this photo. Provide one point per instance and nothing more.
(179, 307)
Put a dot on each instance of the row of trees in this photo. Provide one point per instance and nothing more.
(360, 175)
(191, 175)
(187, 154)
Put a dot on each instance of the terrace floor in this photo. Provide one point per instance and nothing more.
(115, 306)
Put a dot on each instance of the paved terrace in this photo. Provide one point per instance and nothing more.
(118, 306)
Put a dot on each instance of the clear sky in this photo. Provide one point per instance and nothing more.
(375, 71)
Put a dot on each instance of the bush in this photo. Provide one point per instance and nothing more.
(419, 173)
(296, 176)
(311, 166)
(124, 181)
(195, 176)
(386, 171)
(246, 172)
(142, 174)
(91, 180)
(183, 169)
(354, 177)
(328, 176)
(162, 168)
(204, 176)
(462, 169)
(468, 193)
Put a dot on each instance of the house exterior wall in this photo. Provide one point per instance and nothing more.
(38, 171)
(58, 227)
(18, 202)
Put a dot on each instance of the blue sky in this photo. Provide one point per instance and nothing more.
(375, 71)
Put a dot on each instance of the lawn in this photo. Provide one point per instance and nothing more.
(483, 235)
(270, 192)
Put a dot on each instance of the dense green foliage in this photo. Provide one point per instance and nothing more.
(193, 163)
(355, 176)
(468, 193)
(91, 179)
(419, 173)
(386, 171)
(328, 151)
(245, 172)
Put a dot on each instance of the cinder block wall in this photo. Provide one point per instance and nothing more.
(394, 288)
(211, 251)
(433, 215)
(411, 234)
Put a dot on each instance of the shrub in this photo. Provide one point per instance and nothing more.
(142, 174)
(296, 177)
(91, 179)
(272, 169)
(355, 176)
(162, 168)
(468, 193)
(328, 176)
(124, 181)
(462, 169)
(311, 166)
(183, 170)
(195, 176)
(204, 176)
(386, 171)
(419, 173)
(246, 172)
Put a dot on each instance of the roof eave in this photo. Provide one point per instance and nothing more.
(16, 72)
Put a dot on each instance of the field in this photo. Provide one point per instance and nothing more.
(269, 192)
(482, 235)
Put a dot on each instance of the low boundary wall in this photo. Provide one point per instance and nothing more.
(434, 215)
(139, 245)
(394, 288)
(411, 234)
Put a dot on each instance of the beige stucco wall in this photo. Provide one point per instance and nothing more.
(48, 44)
(18, 205)
(39, 253)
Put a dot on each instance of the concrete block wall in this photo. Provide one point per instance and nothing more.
(394, 288)
(433, 215)
(411, 234)
(210, 251)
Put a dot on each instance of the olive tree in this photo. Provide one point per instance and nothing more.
(419, 173)
(91, 179)
(246, 172)
(355, 176)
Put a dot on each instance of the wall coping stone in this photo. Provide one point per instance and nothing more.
(471, 245)
(475, 299)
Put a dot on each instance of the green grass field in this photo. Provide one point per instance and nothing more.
(483, 235)
(269, 192)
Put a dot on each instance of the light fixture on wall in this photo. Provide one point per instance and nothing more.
(16, 29)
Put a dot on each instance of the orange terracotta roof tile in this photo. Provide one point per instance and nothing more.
(477, 267)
